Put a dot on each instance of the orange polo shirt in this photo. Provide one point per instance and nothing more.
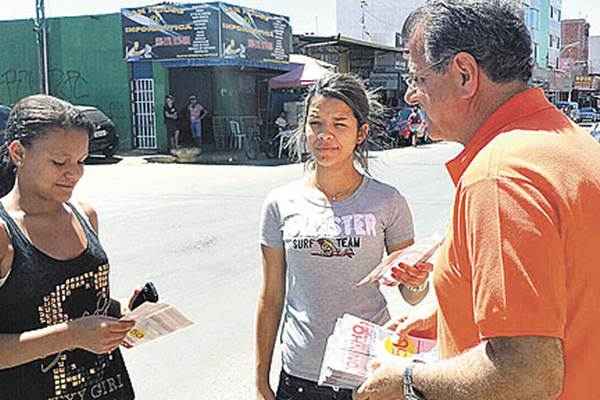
(523, 251)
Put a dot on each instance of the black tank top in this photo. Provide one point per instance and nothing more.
(42, 291)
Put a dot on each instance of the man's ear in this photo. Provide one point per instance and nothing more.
(16, 151)
(466, 74)
(363, 133)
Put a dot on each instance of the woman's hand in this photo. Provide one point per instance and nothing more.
(98, 334)
(265, 394)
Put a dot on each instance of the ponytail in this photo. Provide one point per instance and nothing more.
(8, 171)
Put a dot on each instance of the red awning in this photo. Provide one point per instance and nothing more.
(306, 72)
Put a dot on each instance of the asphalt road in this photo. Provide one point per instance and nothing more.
(193, 231)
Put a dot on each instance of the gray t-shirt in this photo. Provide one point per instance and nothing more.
(329, 247)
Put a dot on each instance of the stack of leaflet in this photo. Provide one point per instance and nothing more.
(354, 343)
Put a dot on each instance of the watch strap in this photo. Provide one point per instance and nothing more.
(410, 393)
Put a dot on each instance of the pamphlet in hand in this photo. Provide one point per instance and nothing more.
(153, 320)
(418, 253)
(355, 342)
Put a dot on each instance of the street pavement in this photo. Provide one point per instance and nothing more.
(193, 231)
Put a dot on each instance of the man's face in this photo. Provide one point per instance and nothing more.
(432, 91)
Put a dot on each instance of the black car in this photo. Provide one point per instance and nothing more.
(4, 111)
(105, 139)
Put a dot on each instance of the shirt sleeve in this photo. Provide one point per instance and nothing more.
(400, 226)
(513, 241)
(271, 233)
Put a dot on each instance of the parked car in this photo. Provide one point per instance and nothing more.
(588, 114)
(595, 132)
(105, 139)
(4, 111)
(570, 108)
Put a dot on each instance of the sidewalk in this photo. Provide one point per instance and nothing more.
(192, 156)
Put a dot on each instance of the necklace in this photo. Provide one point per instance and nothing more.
(342, 194)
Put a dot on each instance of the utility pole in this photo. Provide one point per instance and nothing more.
(363, 21)
(41, 29)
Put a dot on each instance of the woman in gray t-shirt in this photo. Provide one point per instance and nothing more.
(320, 236)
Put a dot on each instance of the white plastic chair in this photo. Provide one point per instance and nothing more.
(237, 135)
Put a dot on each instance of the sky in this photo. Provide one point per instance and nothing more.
(317, 16)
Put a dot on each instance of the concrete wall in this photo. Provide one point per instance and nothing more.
(85, 65)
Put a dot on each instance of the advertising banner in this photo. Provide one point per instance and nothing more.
(166, 32)
(255, 35)
(208, 30)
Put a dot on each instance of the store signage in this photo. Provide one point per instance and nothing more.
(209, 30)
(384, 80)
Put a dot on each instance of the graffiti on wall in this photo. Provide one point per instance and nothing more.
(15, 84)
(69, 84)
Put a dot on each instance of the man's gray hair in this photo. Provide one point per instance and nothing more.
(492, 31)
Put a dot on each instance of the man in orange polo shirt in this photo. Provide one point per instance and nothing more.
(518, 278)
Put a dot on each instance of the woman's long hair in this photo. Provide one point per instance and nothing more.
(30, 118)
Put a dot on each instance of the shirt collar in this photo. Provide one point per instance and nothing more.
(520, 105)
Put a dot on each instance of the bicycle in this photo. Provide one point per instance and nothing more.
(257, 144)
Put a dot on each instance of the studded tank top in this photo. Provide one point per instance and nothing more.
(42, 291)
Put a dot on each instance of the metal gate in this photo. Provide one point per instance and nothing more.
(144, 117)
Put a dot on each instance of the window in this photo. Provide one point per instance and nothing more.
(535, 52)
(551, 41)
(533, 19)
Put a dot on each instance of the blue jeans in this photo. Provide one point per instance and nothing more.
(196, 127)
(294, 388)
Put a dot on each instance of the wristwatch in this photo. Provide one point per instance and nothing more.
(410, 393)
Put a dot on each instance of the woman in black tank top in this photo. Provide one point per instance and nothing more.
(57, 340)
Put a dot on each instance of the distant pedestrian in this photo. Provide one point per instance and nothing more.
(197, 113)
(171, 117)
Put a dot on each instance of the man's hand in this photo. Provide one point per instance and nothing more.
(422, 319)
(398, 272)
(384, 381)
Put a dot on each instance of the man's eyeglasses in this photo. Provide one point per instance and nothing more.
(416, 79)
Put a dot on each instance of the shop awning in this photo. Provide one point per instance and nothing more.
(307, 71)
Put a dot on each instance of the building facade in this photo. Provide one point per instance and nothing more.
(542, 18)
(594, 55)
(575, 45)
(376, 21)
(91, 62)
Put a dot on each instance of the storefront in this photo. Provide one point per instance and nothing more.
(380, 66)
(222, 54)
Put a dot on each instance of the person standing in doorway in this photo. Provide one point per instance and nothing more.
(197, 112)
(171, 117)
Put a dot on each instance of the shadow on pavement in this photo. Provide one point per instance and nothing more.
(101, 160)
